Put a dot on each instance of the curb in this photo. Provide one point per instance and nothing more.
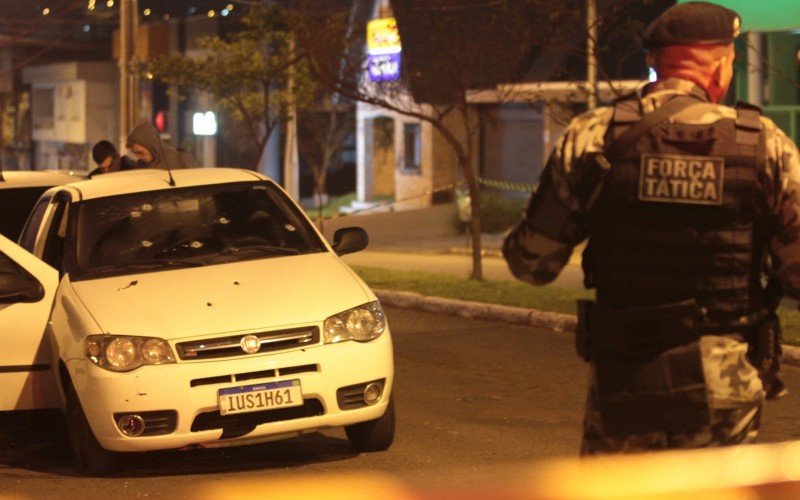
(478, 310)
(575, 259)
(508, 314)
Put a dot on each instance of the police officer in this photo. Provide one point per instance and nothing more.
(686, 203)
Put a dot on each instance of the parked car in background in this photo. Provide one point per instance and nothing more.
(19, 191)
(198, 310)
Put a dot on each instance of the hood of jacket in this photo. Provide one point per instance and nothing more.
(164, 155)
(147, 136)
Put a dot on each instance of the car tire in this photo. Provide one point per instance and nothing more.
(88, 457)
(373, 435)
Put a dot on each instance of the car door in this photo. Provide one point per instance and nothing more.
(27, 288)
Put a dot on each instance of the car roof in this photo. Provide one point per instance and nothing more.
(36, 178)
(142, 180)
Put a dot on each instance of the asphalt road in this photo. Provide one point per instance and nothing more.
(477, 403)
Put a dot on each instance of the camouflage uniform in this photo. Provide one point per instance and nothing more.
(734, 390)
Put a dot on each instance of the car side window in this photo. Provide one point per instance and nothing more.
(28, 237)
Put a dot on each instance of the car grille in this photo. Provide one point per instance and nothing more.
(231, 346)
(352, 396)
(238, 377)
(241, 424)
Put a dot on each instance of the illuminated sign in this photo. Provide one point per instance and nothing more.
(384, 67)
(383, 49)
(382, 36)
(204, 123)
(765, 15)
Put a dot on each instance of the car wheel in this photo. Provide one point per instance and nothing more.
(374, 435)
(88, 457)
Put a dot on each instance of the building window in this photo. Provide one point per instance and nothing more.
(411, 147)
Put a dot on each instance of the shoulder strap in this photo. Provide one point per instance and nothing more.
(748, 124)
(627, 109)
(647, 122)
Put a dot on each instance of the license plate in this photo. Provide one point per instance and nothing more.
(248, 398)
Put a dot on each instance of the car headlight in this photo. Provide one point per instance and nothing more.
(362, 323)
(120, 353)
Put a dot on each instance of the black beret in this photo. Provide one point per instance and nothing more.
(692, 23)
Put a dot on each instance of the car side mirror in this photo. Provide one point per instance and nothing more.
(16, 288)
(349, 240)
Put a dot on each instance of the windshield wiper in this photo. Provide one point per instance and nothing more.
(270, 249)
(139, 265)
(167, 263)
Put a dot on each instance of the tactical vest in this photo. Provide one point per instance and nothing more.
(682, 216)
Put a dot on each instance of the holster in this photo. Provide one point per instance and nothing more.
(765, 353)
(649, 368)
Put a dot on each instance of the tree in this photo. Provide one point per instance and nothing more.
(246, 73)
(322, 130)
(453, 50)
(446, 67)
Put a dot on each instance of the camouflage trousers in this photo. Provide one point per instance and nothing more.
(735, 395)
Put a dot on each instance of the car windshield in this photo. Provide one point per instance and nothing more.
(187, 227)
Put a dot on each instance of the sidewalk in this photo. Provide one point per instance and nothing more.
(426, 240)
(425, 230)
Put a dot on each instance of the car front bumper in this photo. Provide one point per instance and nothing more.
(326, 369)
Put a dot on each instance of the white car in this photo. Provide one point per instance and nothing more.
(19, 191)
(196, 312)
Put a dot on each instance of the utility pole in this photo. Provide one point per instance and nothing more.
(128, 74)
(291, 161)
(755, 90)
(591, 55)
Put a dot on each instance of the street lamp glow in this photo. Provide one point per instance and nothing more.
(91, 5)
(147, 12)
(224, 12)
(46, 11)
(211, 13)
(229, 7)
(86, 28)
(110, 3)
(204, 123)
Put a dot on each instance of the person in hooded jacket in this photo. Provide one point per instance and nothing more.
(151, 152)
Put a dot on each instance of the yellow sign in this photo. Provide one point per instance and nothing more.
(383, 37)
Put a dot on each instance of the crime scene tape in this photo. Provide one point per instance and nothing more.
(506, 185)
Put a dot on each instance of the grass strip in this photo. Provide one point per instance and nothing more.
(514, 293)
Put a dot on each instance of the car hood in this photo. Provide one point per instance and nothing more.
(249, 295)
